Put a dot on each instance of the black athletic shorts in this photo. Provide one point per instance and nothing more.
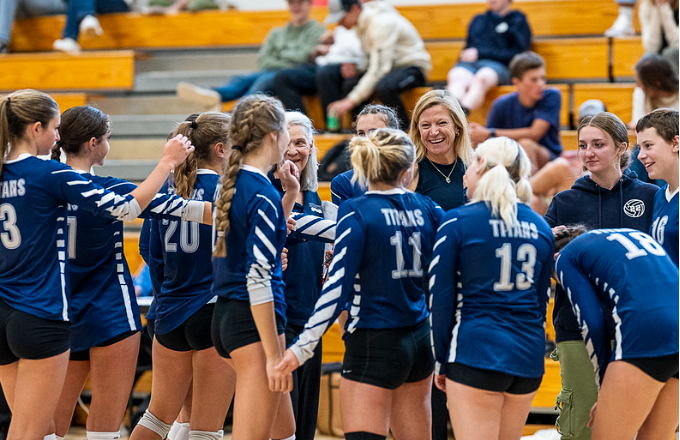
(233, 326)
(660, 368)
(84, 355)
(388, 358)
(151, 328)
(25, 336)
(192, 334)
(492, 380)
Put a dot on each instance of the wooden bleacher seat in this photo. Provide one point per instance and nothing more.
(113, 70)
(618, 98)
(626, 52)
(548, 18)
(68, 100)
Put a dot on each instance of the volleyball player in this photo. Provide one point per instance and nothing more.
(34, 328)
(383, 245)
(250, 224)
(490, 281)
(625, 276)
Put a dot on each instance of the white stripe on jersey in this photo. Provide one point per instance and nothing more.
(446, 223)
(124, 290)
(270, 202)
(265, 241)
(266, 219)
(454, 333)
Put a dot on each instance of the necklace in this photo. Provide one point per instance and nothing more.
(448, 178)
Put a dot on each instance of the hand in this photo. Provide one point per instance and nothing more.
(284, 259)
(278, 381)
(328, 37)
(341, 107)
(288, 364)
(557, 228)
(440, 381)
(592, 415)
(469, 55)
(289, 176)
(478, 133)
(176, 150)
(348, 70)
(320, 50)
(290, 225)
(328, 257)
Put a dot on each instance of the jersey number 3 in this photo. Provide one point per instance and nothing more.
(526, 254)
(9, 235)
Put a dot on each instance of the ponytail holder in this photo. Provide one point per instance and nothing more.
(9, 100)
(237, 148)
(194, 125)
(220, 234)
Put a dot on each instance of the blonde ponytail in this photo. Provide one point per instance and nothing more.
(382, 156)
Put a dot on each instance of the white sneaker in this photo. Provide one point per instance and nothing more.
(206, 97)
(90, 27)
(623, 26)
(68, 45)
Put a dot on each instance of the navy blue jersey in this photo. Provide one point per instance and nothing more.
(144, 239)
(343, 189)
(33, 230)
(251, 270)
(184, 259)
(489, 289)
(103, 301)
(383, 245)
(665, 224)
(632, 276)
(304, 274)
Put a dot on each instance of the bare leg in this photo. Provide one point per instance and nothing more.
(411, 414)
(556, 176)
(663, 419)
(485, 79)
(73, 385)
(32, 389)
(627, 396)
(213, 389)
(365, 407)
(475, 414)
(458, 81)
(537, 153)
(514, 415)
(112, 374)
(169, 387)
(255, 406)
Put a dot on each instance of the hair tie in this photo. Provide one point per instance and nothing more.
(220, 234)
(237, 148)
(9, 100)
(194, 125)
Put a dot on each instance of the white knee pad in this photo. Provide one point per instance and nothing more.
(179, 431)
(50, 437)
(58, 438)
(94, 435)
(292, 437)
(153, 423)
(205, 435)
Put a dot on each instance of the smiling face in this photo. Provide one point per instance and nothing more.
(659, 156)
(597, 151)
(437, 131)
(299, 148)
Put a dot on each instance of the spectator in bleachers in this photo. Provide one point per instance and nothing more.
(659, 28)
(531, 115)
(81, 19)
(656, 86)
(397, 59)
(11, 9)
(623, 26)
(493, 39)
(335, 71)
(284, 47)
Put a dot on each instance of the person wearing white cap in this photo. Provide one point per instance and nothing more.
(397, 59)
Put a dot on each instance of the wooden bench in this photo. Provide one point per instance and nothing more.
(618, 98)
(113, 70)
(626, 52)
(249, 28)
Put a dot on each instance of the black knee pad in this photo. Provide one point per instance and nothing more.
(363, 435)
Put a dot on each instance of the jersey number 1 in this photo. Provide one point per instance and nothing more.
(401, 271)
(526, 254)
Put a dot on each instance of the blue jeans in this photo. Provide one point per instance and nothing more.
(248, 84)
(79, 9)
(25, 9)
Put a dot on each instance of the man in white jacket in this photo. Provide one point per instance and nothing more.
(397, 59)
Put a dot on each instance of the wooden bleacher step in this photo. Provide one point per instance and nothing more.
(113, 70)
(548, 18)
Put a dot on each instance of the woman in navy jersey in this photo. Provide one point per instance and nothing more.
(383, 245)
(250, 227)
(490, 281)
(624, 276)
(611, 196)
(105, 321)
(305, 271)
(657, 136)
(34, 311)
(180, 257)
